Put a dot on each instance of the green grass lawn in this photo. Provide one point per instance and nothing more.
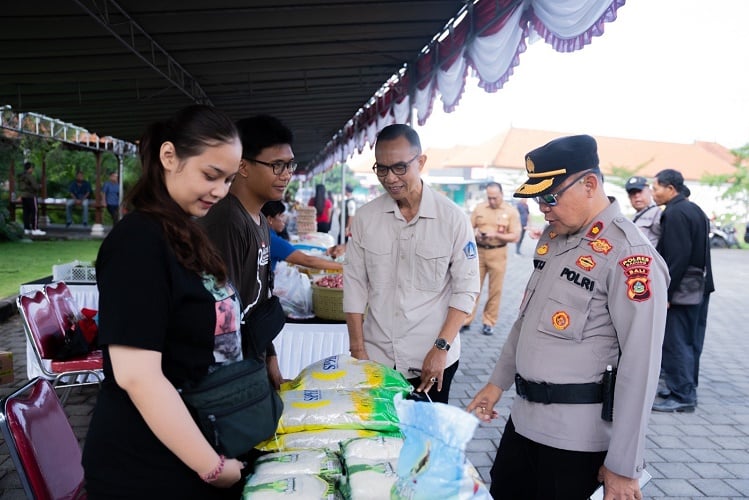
(23, 262)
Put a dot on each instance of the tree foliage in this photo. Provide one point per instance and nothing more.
(736, 183)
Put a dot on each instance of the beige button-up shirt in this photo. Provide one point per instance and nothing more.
(405, 276)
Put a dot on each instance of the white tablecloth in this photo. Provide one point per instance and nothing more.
(84, 295)
(298, 344)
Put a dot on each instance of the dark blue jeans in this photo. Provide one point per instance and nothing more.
(682, 346)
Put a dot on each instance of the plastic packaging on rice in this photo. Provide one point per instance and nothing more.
(368, 479)
(301, 486)
(321, 462)
(432, 461)
(472, 487)
(325, 438)
(330, 409)
(342, 371)
(374, 448)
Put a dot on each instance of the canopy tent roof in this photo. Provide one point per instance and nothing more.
(334, 71)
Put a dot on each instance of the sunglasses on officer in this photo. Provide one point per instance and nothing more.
(399, 168)
(551, 199)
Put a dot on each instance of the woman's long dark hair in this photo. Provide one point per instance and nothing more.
(191, 130)
(320, 198)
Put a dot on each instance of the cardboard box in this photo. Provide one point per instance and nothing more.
(6, 367)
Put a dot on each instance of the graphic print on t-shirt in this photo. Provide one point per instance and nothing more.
(227, 346)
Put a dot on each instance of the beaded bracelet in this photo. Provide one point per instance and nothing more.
(215, 473)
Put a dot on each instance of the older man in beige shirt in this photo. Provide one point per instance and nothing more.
(412, 265)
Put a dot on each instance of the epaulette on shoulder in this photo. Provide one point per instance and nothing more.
(633, 234)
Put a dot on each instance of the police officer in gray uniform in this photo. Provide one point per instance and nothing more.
(648, 216)
(596, 299)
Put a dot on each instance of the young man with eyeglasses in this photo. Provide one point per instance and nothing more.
(594, 306)
(236, 224)
(411, 264)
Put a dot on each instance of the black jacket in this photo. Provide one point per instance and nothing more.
(685, 241)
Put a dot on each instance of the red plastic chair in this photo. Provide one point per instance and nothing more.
(42, 444)
(45, 334)
(63, 303)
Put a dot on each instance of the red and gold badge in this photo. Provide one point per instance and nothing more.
(586, 262)
(601, 245)
(595, 229)
(543, 249)
(560, 320)
(636, 269)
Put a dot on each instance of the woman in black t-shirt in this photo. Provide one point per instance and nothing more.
(166, 315)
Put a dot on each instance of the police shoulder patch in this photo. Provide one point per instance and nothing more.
(470, 250)
(637, 269)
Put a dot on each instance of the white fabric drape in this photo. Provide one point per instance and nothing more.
(502, 30)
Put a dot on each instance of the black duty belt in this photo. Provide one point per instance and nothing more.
(543, 392)
(490, 247)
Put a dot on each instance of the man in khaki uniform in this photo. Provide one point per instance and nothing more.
(596, 299)
(495, 224)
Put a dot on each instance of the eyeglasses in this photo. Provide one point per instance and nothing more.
(551, 199)
(279, 166)
(399, 168)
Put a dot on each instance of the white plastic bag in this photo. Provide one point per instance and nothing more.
(294, 290)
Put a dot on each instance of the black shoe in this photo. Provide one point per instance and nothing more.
(487, 330)
(465, 328)
(670, 405)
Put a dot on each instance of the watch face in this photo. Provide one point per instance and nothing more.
(441, 344)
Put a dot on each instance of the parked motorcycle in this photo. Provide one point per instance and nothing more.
(723, 237)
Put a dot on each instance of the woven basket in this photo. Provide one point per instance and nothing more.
(327, 303)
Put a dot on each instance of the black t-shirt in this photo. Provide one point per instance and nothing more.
(149, 301)
(245, 248)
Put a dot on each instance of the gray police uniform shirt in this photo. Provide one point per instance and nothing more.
(649, 221)
(407, 274)
(590, 294)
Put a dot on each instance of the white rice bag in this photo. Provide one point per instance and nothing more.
(325, 438)
(342, 371)
(374, 448)
(321, 462)
(368, 479)
(301, 486)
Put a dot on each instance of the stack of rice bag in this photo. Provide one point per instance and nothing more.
(339, 437)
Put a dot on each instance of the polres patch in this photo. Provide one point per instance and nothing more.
(637, 269)
(470, 250)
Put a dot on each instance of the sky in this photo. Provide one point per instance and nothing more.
(665, 70)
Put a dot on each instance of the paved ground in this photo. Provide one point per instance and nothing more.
(700, 455)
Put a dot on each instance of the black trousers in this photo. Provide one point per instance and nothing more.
(528, 470)
(29, 213)
(447, 379)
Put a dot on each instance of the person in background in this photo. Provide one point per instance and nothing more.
(522, 206)
(648, 216)
(281, 249)
(110, 194)
(28, 189)
(495, 224)
(161, 284)
(80, 192)
(349, 208)
(411, 264)
(684, 242)
(237, 226)
(596, 299)
(324, 208)
(291, 205)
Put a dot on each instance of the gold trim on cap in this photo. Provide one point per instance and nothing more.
(535, 188)
(552, 173)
